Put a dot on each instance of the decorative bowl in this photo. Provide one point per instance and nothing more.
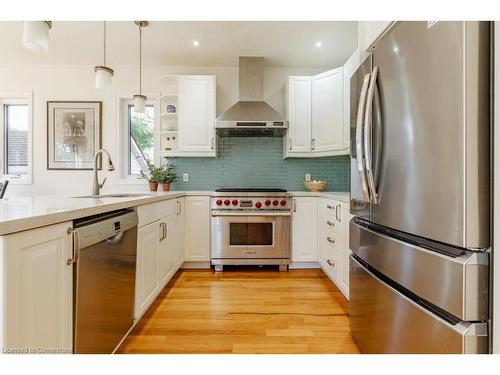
(315, 185)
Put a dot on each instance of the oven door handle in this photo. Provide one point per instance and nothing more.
(215, 214)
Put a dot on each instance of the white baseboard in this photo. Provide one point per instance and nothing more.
(191, 265)
(299, 265)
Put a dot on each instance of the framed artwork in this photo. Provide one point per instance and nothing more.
(73, 134)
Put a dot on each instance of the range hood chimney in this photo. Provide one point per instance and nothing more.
(251, 116)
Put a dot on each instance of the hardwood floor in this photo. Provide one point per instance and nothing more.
(250, 311)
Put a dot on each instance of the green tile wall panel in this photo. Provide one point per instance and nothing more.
(258, 162)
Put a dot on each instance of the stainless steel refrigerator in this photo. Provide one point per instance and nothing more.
(420, 121)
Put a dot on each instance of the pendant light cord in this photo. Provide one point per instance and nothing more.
(140, 60)
(105, 43)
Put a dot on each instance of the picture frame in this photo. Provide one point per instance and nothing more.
(74, 134)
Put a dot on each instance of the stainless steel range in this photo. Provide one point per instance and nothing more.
(250, 227)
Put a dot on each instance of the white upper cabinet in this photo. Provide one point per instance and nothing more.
(36, 294)
(192, 123)
(370, 31)
(298, 108)
(328, 111)
(315, 111)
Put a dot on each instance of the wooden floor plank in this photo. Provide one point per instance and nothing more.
(263, 311)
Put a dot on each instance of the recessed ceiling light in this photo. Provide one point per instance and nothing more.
(318, 44)
(196, 43)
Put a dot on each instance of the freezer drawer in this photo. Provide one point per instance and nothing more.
(456, 283)
(383, 320)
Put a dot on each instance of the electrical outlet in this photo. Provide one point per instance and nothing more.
(308, 177)
(185, 177)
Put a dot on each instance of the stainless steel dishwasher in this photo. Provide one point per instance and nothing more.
(104, 256)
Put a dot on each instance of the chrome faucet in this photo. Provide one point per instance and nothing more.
(98, 186)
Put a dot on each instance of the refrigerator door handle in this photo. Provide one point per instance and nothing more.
(359, 138)
(368, 136)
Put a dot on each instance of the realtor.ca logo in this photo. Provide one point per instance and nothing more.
(36, 350)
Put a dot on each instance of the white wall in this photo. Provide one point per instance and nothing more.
(77, 83)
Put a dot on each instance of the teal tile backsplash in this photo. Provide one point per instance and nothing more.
(258, 162)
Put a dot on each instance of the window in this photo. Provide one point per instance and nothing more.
(141, 136)
(15, 135)
(137, 139)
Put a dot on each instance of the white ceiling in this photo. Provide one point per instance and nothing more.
(285, 44)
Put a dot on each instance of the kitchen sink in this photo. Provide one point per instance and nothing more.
(118, 195)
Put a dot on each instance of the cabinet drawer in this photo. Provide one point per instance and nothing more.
(329, 244)
(148, 213)
(331, 224)
(329, 251)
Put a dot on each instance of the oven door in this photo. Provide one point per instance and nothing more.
(254, 237)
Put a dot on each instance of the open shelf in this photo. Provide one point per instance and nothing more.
(169, 114)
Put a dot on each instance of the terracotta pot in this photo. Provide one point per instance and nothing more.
(153, 186)
(165, 187)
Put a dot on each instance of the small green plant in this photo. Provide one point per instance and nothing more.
(167, 174)
(162, 174)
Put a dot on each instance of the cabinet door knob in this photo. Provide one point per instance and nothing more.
(330, 263)
(329, 239)
(330, 223)
(329, 207)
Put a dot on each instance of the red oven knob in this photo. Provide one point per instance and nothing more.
(258, 204)
(235, 202)
(267, 202)
(275, 202)
(218, 202)
(283, 202)
(227, 202)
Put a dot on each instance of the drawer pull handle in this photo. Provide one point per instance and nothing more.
(331, 240)
(330, 223)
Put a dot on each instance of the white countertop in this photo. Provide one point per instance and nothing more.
(22, 213)
(336, 195)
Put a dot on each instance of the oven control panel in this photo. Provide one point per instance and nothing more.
(261, 203)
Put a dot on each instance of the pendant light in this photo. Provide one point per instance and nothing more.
(140, 100)
(103, 73)
(36, 35)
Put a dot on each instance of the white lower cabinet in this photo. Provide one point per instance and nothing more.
(159, 251)
(304, 229)
(197, 229)
(333, 242)
(328, 243)
(345, 251)
(147, 276)
(36, 290)
(177, 227)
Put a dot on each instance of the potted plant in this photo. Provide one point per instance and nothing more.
(153, 175)
(167, 176)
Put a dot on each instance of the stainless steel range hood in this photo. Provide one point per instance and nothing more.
(251, 116)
